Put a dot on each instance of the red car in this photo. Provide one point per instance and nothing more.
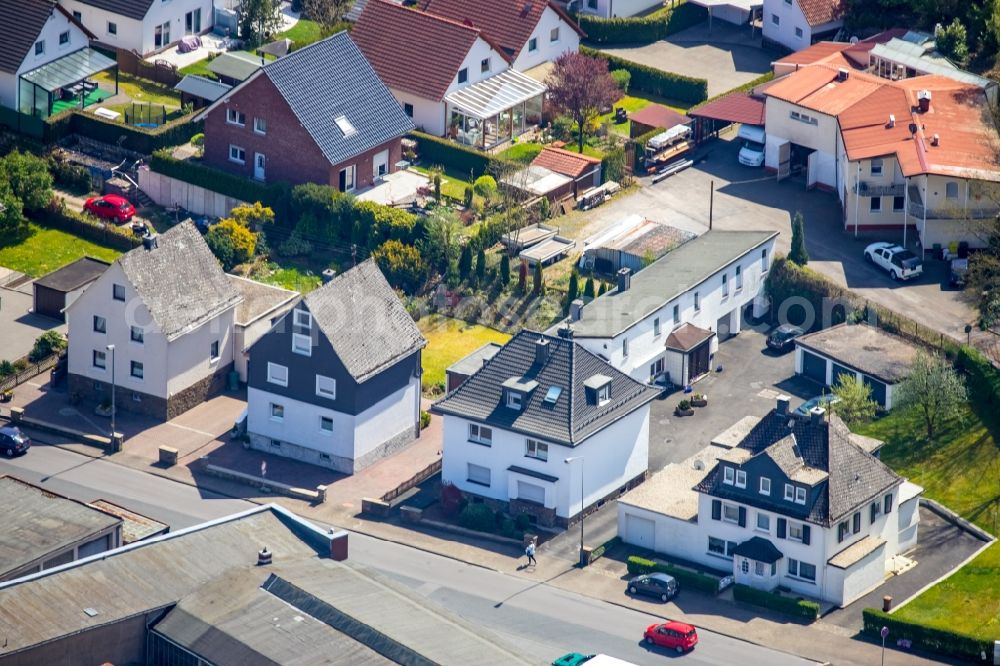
(110, 207)
(674, 635)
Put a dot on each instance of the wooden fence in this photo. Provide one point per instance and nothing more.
(159, 71)
(29, 372)
(413, 481)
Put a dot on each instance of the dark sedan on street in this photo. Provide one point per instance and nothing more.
(13, 442)
(660, 585)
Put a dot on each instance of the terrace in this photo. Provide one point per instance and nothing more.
(490, 113)
(66, 83)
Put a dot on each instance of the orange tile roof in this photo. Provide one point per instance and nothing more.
(818, 12)
(565, 162)
(657, 115)
(863, 103)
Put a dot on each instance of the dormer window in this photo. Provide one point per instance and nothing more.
(789, 492)
(514, 400)
(800, 495)
(604, 394)
(741, 478)
(598, 389)
(728, 475)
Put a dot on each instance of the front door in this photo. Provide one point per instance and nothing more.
(259, 162)
(192, 22)
(699, 361)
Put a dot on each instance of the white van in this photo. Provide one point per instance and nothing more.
(751, 138)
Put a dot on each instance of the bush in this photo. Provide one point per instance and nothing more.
(477, 517)
(684, 405)
(231, 243)
(46, 344)
(403, 265)
(6, 369)
(923, 637)
(654, 81)
(800, 608)
(523, 522)
(425, 419)
(641, 29)
(138, 139)
(70, 176)
(198, 139)
(982, 379)
(485, 186)
(692, 579)
(622, 78)
(57, 216)
(435, 150)
(295, 246)
(378, 223)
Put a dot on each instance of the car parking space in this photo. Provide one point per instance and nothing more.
(19, 326)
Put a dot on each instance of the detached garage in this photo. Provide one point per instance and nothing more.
(875, 357)
(56, 291)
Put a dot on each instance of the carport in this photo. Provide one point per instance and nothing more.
(739, 107)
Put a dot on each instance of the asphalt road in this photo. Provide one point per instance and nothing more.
(540, 620)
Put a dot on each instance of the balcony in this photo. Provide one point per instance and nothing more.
(957, 211)
(866, 189)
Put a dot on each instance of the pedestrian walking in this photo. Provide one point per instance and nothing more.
(530, 552)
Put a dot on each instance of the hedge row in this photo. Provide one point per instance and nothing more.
(58, 216)
(691, 579)
(641, 29)
(653, 81)
(800, 608)
(922, 637)
(138, 139)
(746, 87)
(436, 151)
(983, 380)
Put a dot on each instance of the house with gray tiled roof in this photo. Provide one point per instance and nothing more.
(317, 115)
(538, 414)
(336, 380)
(794, 501)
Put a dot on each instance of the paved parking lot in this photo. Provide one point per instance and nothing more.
(18, 325)
(726, 56)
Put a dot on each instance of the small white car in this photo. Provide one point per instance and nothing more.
(900, 263)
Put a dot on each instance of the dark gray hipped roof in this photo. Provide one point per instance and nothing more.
(133, 9)
(850, 476)
(662, 281)
(75, 275)
(180, 281)
(571, 418)
(328, 79)
(20, 23)
(364, 321)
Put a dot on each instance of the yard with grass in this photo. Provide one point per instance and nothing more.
(141, 90)
(960, 468)
(302, 33)
(45, 250)
(296, 278)
(453, 183)
(449, 340)
(521, 152)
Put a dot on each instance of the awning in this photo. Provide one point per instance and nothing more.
(498, 93)
(758, 549)
(69, 69)
(199, 86)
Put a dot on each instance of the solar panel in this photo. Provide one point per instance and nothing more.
(553, 394)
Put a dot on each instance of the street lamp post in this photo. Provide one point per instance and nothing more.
(883, 633)
(111, 348)
(568, 461)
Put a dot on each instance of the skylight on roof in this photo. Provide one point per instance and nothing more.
(345, 126)
(552, 396)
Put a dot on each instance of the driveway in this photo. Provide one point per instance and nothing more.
(19, 326)
(725, 55)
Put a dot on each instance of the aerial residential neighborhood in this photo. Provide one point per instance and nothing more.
(586, 332)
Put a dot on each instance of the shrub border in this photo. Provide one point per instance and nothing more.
(655, 81)
(923, 637)
(799, 608)
(704, 583)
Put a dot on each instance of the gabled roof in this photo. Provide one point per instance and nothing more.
(848, 476)
(819, 12)
(568, 419)
(687, 337)
(235, 65)
(75, 275)
(509, 23)
(364, 321)
(330, 81)
(20, 23)
(133, 9)
(179, 281)
(658, 115)
(565, 162)
(393, 37)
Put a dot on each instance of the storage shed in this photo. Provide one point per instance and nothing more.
(57, 290)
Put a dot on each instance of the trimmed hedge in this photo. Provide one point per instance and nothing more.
(653, 81)
(746, 87)
(800, 608)
(641, 29)
(138, 139)
(922, 637)
(983, 380)
(87, 227)
(691, 579)
(437, 151)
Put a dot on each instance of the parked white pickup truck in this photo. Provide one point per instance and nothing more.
(900, 263)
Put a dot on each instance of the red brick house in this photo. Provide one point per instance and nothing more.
(317, 115)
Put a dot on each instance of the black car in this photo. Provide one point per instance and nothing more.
(659, 585)
(783, 337)
(13, 441)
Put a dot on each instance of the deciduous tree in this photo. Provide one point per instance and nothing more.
(855, 403)
(28, 178)
(402, 265)
(328, 13)
(231, 243)
(933, 388)
(258, 20)
(580, 86)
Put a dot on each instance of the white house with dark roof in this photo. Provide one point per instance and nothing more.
(168, 310)
(336, 381)
(145, 26)
(666, 321)
(783, 500)
(545, 428)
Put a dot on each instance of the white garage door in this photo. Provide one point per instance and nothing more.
(639, 531)
(530, 492)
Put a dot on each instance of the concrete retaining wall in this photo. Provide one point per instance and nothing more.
(318, 495)
(168, 192)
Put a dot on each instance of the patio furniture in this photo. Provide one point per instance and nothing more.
(107, 113)
(189, 43)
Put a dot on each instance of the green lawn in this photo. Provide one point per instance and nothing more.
(199, 68)
(961, 469)
(300, 279)
(45, 250)
(141, 90)
(302, 33)
(521, 152)
(453, 183)
(449, 340)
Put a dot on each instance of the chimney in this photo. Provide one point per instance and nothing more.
(842, 74)
(783, 401)
(263, 557)
(624, 279)
(327, 275)
(935, 140)
(541, 350)
(816, 415)
(892, 120)
(149, 241)
(924, 101)
(575, 310)
(338, 545)
(566, 332)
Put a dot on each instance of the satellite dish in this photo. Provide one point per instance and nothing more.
(698, 465)
(854, 40)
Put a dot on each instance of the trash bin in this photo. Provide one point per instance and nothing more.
(886, 603)
(234, 380)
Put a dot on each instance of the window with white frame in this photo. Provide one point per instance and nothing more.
(759, 569)
(99, 359)
(326, 424)
(234, 117)
(800, 495)
(730, 513)
(677, 314)
(728, 475)
(303, 319)
(118, 292)
(875, 167)
(789, 492)
(484, 65)
(277, 412)
(951, 190)
(765, 485)
(64, 38)
(739, 278)
(480, 434)
(741, 478)
(656, 327)
(554, 35)
(237, 154)
(478, 474)
(301, 344)
(604, 394)
(875, 205)
(514, 400)
(532, 45)
(795, 531)
(802, 570)
(721, 547)
(213, 351)
(326, 387)
(40, 47)
(100, 324)
(136, 335)
(259, 125)
(277, 374)
(347, 180)
(136, 370)
(536, 449)
(763, 522)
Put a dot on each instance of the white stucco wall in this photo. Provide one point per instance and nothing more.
(129, 33)
(140, 35)
(393, 414)
(612, 457)
(822, 137)
(612, 8)
(56, 24)
(790, 18)
(428, 115)
(189, 356)
(569, 41)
